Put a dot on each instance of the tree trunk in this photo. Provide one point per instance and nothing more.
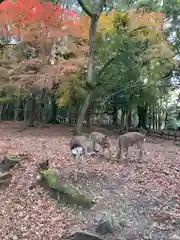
(82, 113)
(123, 113)
(129, 118)
(166, 120)
(90, 75)
(142, 114)
(1, 109)
(150, 117)
(70, 114)
(16, 107)
(156, 118)
(115, 114)
(88, 116)
(53, 110)
(41, 112)
(159, 120)
(33, 111)
(25, 114)
(5, 110)
(153, 117)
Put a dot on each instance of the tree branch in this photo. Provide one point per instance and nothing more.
(108, 62)
(84, 7)
(101, 4)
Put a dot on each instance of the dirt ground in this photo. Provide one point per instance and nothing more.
(143, 196)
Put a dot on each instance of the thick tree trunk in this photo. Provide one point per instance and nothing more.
(90, 75)
(142, 114)
(82, 114)
(33, 111)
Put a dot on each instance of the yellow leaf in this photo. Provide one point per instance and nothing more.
(63, 100)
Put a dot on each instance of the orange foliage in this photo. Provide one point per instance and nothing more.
(152, 20)
(33, 19)
(39, 24)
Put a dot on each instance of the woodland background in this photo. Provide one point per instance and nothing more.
(126, 78)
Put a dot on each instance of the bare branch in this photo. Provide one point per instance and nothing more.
(85, 8)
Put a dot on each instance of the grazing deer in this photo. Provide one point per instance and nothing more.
(129, 139)
(102, 140)
(80, 146)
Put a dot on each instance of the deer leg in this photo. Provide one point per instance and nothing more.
(122, 153)
(126, 151)
(94, 145)
(110, 153)
(141, 149)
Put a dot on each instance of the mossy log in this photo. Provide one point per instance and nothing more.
(64, 190)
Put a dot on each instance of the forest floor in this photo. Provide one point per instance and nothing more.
(144, 196)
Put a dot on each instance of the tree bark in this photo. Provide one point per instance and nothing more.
(41, 112)
(25, 114)
(16, 107)
(123, 113)
(127, 121)
(33, 111)
(166, 120)
(82, 113)
(153, 117)
(88, 116)
(115, 114)
(129, 118)
(90, 75)
(94, 15)
(142, 114)
(53, 110)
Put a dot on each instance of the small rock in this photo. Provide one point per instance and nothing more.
(174, 237)
(105, 223)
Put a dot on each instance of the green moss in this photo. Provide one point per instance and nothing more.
(49, 177)
(64, 190)
(72, 195)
